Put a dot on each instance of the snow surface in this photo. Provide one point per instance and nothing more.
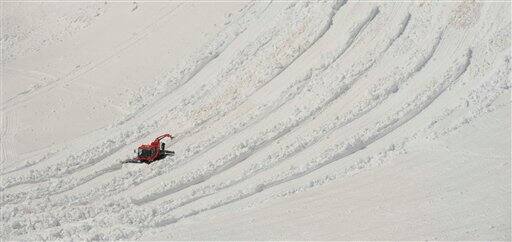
(293, 120)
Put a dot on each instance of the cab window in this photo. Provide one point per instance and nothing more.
(145, 153)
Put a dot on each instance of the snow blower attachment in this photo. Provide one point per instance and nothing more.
(151, 152)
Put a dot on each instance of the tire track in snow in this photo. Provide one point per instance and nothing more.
(216, 118)
(387, 47)
(393, 125)
(199, 66)
(42, 78)
(285, 130)
(264, 187)
(360, 28)
(131, 41)
(108, 143)
(421, 63)
(374, 13)
(296, 88)
(349, 148)
(116, 166)
(195, 71)
(314, 140)
(417, 68)
(219, 116)
(29, 164)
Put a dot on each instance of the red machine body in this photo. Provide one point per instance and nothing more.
(153, 151)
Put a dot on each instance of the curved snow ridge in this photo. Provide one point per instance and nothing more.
(427, 101)
(294, 98)
(212, 51)
(109, 142)
(292, 145)
(288, 56)
(162, 170)
(343, 149)
(214, 48)
(304, 95)
(111, 146)
(374, 11)
(244, 149)
(194, 64)
(478, 99)
(236, 82)
(290, 92)
(71, 164)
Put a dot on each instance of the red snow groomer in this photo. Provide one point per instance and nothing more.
(153, 151)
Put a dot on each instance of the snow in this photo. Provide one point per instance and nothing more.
(372, 205)
(293, 120)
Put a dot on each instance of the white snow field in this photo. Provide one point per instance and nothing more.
(315, 120)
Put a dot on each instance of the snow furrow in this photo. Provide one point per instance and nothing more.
(118, 146)
(341, 150)
(296, 110)
(275, 132)
(110, 146)
(188, 68)
(356, 33)
(311, 137)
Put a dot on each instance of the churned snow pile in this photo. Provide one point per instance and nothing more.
(292, 120)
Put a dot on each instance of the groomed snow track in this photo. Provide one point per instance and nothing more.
(284, 97)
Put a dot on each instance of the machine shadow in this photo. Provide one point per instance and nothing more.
(163, 154)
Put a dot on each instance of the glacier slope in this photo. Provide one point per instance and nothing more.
(266, 100)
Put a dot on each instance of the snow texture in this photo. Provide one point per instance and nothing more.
(321, 120)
